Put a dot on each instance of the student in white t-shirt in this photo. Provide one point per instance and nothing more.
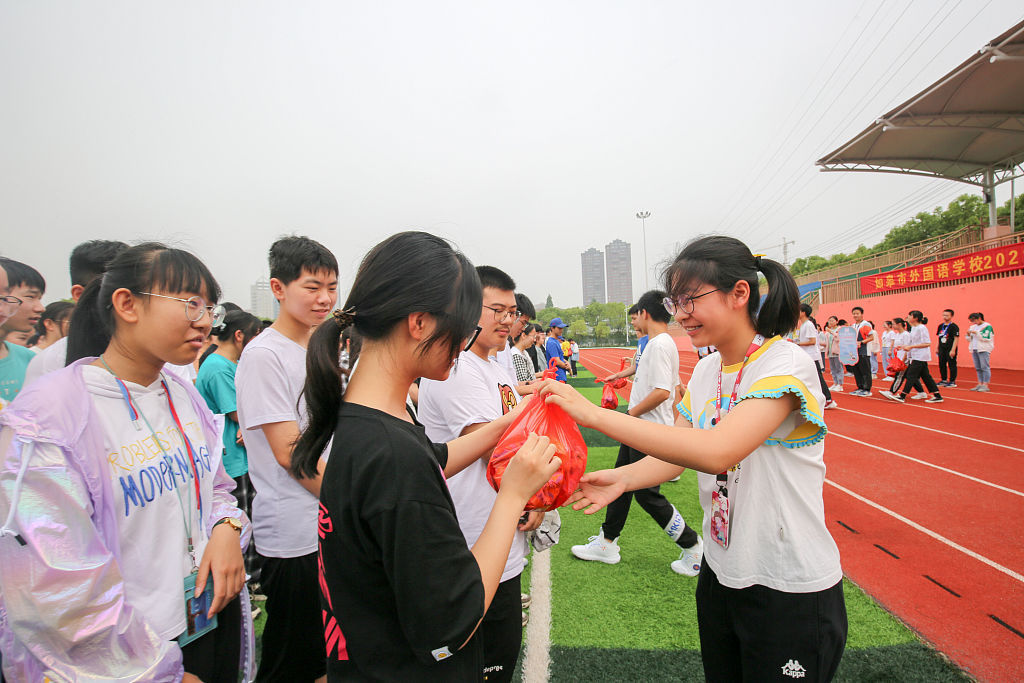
(88, 261)
(478, 391)
(900, 338)
(525, 311)
(130, 474)
(650, 399)
(982, 342)
(752, 425)
(269, 379)
(919, 353)
(888, 338)
(807, 340)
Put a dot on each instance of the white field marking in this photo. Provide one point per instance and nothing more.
(987, 403)
(937, 431)
(537, 662)
(938, 537)
(912, 402)
(928, 464)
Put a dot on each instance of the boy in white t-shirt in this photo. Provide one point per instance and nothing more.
(477, 391)
(269, 380)
(807, 339)
(651, 399)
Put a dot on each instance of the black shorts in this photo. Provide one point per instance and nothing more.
(293, 637)
(214, 657)
(501, 631)
(761, 634)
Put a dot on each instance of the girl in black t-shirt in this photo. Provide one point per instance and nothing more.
(402, 595)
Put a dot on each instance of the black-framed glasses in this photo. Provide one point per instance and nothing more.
(472, 338)
(501, 313)
(12, 300)
(196, 307)
(685, 304)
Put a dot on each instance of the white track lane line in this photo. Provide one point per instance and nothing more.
(937, 431)
(912, 402)
(537, 662)
(938, 537)
(985, 403)
(929, 464)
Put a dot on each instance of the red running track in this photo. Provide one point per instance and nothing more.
(926, 503)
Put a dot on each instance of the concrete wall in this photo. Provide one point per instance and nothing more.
(1001, 301)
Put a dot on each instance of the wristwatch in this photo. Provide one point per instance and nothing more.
(231, 522)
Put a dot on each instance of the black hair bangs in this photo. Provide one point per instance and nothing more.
(178, 271)
(289, 256)
(22, 275)
(685, 276)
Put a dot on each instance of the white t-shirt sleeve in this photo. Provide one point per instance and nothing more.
(264, 390)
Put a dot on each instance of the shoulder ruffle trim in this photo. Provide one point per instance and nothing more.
(809, 415)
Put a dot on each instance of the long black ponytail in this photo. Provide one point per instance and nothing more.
(407, 273)
(145, 267)
(721, 262)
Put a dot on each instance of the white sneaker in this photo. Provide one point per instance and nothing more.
(831, 404)
(920, 395)
(688, 563)
(599, 549)
(836, 387)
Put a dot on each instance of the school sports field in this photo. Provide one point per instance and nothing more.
(925, 502)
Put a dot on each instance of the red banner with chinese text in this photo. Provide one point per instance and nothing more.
(996, 260)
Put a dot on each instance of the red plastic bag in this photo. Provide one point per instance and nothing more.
(551, 421)
(896, 366)
(609, 399)
(616, 383)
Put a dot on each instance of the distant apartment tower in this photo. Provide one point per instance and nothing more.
(618, 260)
(593, 276)
(264, 305)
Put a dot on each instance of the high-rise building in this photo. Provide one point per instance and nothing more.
(593, 276)
(264, 305)
(618, 260)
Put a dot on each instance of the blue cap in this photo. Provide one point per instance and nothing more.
(557, 322)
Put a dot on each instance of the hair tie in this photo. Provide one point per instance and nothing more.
(757, 261)
(345, 318)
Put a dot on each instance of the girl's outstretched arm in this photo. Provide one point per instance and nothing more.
(714, 450)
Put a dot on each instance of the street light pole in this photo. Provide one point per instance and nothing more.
(643, 216)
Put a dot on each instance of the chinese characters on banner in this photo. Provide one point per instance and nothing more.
(996, 260)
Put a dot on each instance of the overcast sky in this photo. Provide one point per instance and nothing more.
(525, 132)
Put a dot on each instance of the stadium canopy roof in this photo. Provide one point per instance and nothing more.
(967, 126)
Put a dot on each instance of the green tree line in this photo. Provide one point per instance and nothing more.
(965, 210)
(593, 324)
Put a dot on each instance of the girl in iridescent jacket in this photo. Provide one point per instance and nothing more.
(115, 498)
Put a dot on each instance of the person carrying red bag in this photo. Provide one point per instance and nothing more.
(651, 399)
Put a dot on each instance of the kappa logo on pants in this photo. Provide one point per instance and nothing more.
(793, 669)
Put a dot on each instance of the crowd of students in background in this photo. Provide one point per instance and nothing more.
(906, 339)
(202, 461)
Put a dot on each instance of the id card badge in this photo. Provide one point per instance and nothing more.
(720, 517)
(197, 625)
